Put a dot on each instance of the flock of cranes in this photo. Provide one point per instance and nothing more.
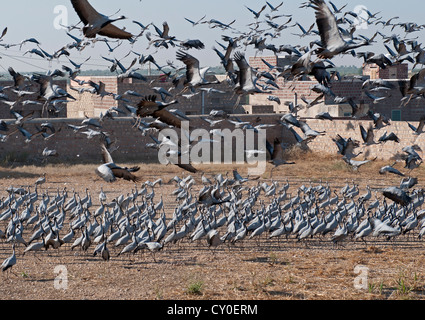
(220, 211)
(226, 210)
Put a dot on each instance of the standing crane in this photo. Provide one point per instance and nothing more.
(9, 262)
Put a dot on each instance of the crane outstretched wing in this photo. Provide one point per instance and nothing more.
(114, 32)
(327, 25)
(125, 174)
(106, 156)
(85, 11)
(168, 118)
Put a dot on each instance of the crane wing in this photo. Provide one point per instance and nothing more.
(412, 127)
(19, 80)
(245, 72)
(166, 29)
(421, 124)
(114, 32)
(397, 195)
(125, 174)
(105, 173)
(417, 79)
(187, 167)
(147, 106)
(277, 150)
(363, 133)
(168, 118)
(85, 11)
(270, 148)
(192, 66)
(106, 156)
(328, 27)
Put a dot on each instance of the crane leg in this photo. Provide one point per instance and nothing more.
(35, 256)
(137, 123)
(271, 172)
(153, 256)
(238, 100)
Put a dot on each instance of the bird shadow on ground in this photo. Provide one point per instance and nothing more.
(258, 260)
(40, 280)
(17, 175)
(148, 263)
(269, 260)
(286, 294)
(350, 126)
(135, 264)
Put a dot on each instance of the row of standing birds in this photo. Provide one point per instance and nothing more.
(191, 78)
(215, 211)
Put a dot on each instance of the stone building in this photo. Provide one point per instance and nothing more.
(300, 92)
(92, 105)
(397, 71)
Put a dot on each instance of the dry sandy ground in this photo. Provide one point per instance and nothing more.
(253, 270)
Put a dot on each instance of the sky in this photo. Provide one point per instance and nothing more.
(39, 19)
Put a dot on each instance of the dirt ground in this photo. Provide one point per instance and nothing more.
(257, 269)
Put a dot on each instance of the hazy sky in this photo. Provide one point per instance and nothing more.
(35, 19)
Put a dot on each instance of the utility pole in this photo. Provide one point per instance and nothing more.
(203, 102)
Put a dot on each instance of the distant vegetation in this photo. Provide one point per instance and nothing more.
(96, 73)
(349, 70)
(145, 71)
(343, 70)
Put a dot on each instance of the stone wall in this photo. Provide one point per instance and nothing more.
(76, 148)
(36, 108)
(351, 129)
